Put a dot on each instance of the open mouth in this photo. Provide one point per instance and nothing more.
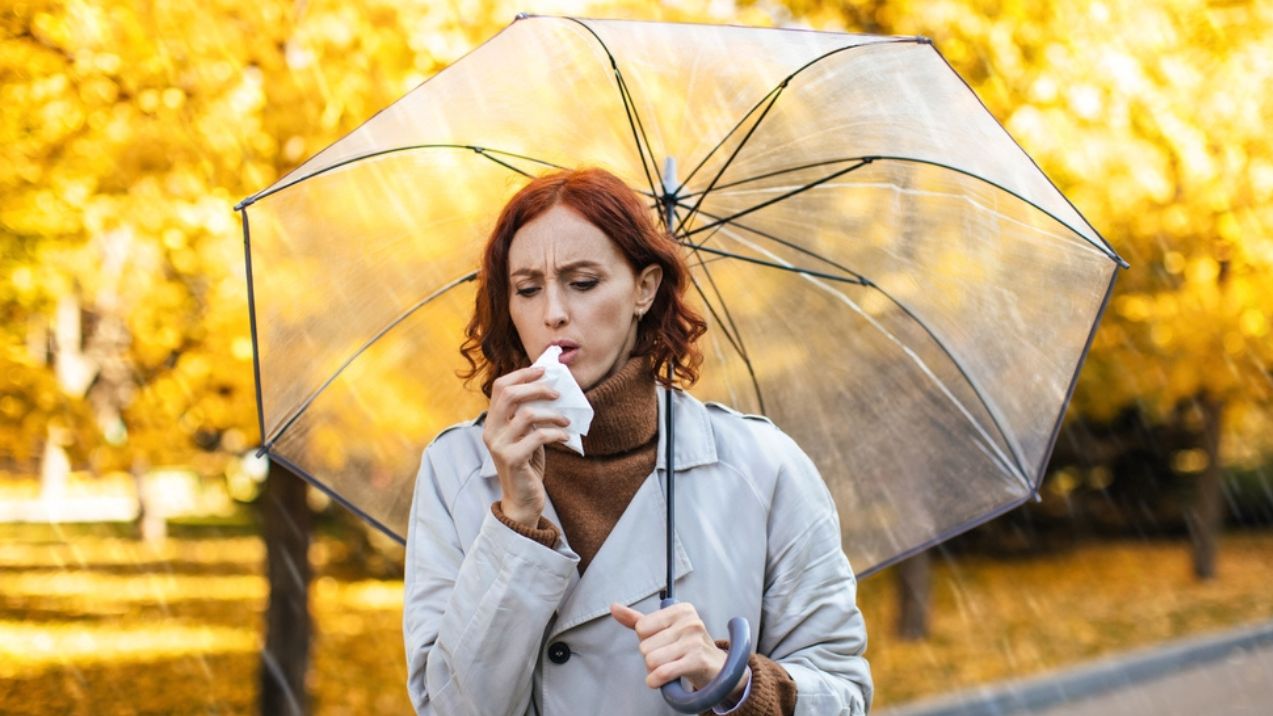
(568, 355)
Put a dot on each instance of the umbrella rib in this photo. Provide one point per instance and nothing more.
(798, 190)
(779, 172)
(861, 280)
(256, 352)
(703, 162)
(1017, 459)
(712, 310)
(773, 99)
(340, 499)
(770, 264)
(300, 410)
(629, 109)
(810, 275)
(943, 536)
(505, 164)
(483, 151)
(864, 160)
(725, 326)
(733, 326)
(734, 340)
(789, 244)
(1109, 250)
(783, 84)
(649, 148)
(1078, 366)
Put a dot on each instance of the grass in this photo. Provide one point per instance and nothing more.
(93, 622)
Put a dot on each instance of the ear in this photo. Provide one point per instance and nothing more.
(647, 286)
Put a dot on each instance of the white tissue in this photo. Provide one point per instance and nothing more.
(570, 401)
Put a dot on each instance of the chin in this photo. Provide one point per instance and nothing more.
(586, 382)
(578, 375)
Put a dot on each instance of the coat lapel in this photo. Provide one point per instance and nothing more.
(630, 565)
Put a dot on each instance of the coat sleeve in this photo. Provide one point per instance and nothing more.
(812, 625)
(473, 619)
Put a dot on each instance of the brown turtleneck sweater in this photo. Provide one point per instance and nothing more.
(590, 493)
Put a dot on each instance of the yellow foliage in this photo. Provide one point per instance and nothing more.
(1153, 118)
(127, 132)
(152, 119)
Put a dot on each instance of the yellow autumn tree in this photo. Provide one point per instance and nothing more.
(1153, 118)
(129, 131)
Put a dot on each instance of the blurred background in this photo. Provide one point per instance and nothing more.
(149, 563)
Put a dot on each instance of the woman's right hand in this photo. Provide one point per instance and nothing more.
(515, 435)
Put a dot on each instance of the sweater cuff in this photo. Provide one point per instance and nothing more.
(770, 692)
(545, 533)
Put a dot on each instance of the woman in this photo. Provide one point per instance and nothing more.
(533, 573)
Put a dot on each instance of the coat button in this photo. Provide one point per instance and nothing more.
(558, 652)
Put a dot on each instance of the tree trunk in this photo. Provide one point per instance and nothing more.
(151, 523)
(285, 658)
(914, 591)
(55, 467)
(1206, 516)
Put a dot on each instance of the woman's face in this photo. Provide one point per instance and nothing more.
(570, 285)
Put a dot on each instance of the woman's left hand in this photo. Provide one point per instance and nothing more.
(675, 644)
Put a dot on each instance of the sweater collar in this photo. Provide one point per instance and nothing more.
(625, 410)
(695, 438)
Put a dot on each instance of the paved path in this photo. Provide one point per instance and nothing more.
(1226, 674)
(1240, 684)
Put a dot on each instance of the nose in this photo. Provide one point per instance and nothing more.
(555, 314)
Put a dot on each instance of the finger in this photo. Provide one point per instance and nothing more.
(665, 654)
(537, 390)
(626, 616)
(521, 375)
(503, 438)
(507, 403)
(673, 670)
(675, 632)
(523, 448)
(655, 622)
(527, 418)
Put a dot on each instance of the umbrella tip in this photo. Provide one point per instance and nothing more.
(924, 39)
(520, 16)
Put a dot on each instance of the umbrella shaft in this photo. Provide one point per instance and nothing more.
(671, 482)
(670, 190)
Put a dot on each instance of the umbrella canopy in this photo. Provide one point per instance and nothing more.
(886, 274)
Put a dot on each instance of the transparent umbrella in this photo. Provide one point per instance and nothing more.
(887, 275)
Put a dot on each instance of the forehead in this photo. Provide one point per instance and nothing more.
(560, 236)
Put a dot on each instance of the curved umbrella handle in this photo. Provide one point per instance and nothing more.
(692, 702)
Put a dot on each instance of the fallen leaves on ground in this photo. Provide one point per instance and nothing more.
(101, 624)
(996, 619)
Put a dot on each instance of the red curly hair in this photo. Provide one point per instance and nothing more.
(667, 333)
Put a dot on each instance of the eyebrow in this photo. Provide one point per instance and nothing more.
(565, 268)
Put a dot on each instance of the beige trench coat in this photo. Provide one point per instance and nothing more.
(496, 623)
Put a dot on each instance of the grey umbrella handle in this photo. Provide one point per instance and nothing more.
(692, 702)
